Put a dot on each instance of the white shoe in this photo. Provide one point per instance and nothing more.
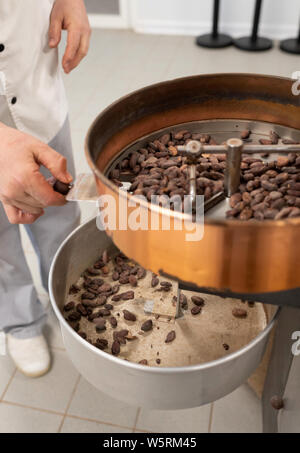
(31, 355)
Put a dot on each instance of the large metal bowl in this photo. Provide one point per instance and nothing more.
(157, 388)
(243, 257)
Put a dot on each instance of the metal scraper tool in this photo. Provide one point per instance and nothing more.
(84, 189)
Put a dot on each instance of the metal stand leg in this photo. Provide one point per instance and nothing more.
(291, 45)
(214, 40)
(254, 43)
(279, 366)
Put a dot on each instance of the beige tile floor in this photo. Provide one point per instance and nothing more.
(62, 401)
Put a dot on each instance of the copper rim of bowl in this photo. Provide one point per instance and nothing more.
(176, 215)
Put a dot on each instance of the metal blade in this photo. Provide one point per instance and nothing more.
(83, 189)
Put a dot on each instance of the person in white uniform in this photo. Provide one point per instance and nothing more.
(34, 143)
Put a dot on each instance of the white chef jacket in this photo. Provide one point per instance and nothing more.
(32, 96)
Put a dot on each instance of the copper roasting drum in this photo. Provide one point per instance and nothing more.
(243, 257)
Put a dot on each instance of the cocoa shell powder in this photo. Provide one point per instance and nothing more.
(120, 326)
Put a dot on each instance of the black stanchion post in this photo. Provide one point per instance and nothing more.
(214, 40)
(254, 43)
(291, 45)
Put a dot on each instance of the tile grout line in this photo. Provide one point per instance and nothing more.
(99, 422)
(50, 411)
(8, 384)
(69, 403)
(137, 430)
(39, 409)
(210, 417)
(136, 418)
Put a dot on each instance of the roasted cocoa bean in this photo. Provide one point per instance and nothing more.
(196, 310)
(75, 316)
(264, 141)
(274, 137)
(246, 213)
(88, 295)
(128, 295)
(129, 316)
(147, 325)
(269, 186)
(274, 195)
(246, 197)
(278, 204)
(74, 289)
(115, 348)
(120, 336)
(93, 316)
(93, 271)
(81, 309)
(259, 215)
(101, 343)
(104, 312)
(270, 213)
(283, 213)
(115, 276)
(295, 212)
(197, 300)
(143, 362)
(239, 312)
(183, 301)
(133, 280)
(124, 280)
(154, 281)
(282, 161)
(113, 322)
(170, 337)
(166, 284)
(69, 306)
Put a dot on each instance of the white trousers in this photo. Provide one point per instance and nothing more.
(21, 313)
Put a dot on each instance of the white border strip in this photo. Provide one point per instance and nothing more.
(195, 28)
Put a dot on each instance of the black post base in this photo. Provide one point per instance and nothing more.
(214, 42)
(290, 46)
(246, 43)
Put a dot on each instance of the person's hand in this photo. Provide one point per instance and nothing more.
(70, 15)
(24, 191)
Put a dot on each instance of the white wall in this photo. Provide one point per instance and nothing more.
(279, 18)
